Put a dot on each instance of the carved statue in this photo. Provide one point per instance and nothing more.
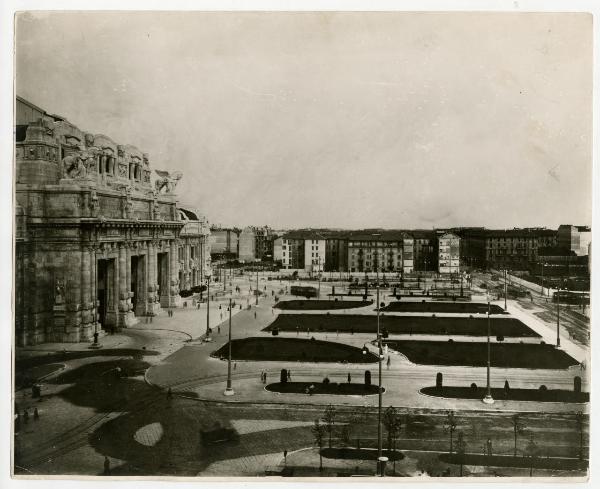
(167, 181)
(73, 166)
(59, 292)
(89, 139)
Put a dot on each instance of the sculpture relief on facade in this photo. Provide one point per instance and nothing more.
(59, 291)
(167, 181)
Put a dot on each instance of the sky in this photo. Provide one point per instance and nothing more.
(345, 120)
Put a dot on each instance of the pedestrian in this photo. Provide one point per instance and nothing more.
(284, 456)
(169, 394)
(26, 417)
(265, 381)
(349, 377)
(272, 312)
(36, 414)
(389, 362)
(218, 328)
(297, 330)
(106, 466)
(221, 316)
(254, 314)
(289, 375)
(17, 423)
(234, 365)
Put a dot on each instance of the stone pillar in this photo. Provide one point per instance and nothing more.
(174, 298)
(86, 295)
(94, 290)
(69, 330)
(152, 297)
(126, 315)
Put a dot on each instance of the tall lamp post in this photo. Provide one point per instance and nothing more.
(558, 316)
(505, 289)
(229, 389)
(257, 291)
(380, 458)
(208, 276)
(319, 276)
(488, 399)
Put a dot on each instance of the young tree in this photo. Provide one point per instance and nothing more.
(329, 420)
(393, 424)
(461, 448)
(450, 426)
(518, 429)
(318, 431)
(531, 452)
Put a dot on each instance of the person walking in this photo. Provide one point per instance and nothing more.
(106, 466)
(289, 375)
(26, 416)
(36, 414)
(218, 328)
(349, 377)
(265, 378)
(389, 362)
(254, 314)
(234, 365)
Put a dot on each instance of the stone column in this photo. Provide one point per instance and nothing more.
(86, 299)
(69, 331)
(153, 298)
(174, 298)
(127, 317)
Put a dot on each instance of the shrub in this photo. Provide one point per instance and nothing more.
(473, 386)
(543, 388)
(326, 380)
(450, 340)
(367, 377)
(439, 380)
(283, 376)
(499, 338)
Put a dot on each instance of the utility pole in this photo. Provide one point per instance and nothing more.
(379, 433)
(257, 291)
(558, 317)
(208, 304)
(488, 399)
(229, 389)
(505, 288)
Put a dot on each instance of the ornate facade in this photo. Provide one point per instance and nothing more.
(96, 242)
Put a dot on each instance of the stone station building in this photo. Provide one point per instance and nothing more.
(96, 244)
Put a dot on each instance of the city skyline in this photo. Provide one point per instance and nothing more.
(351, 120)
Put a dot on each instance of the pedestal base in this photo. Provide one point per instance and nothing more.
(488, 400)
(128, 319)
(228, 392)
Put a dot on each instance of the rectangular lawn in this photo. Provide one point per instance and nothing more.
(358, 323)
(504, 355)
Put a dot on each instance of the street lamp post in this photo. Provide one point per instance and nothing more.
(543, 265)
(488, 399)
(558, 317)
(257, 291)
(505, 289)
(208, 275)
(229, 389)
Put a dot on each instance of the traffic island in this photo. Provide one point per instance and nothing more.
(443, 307)
(347, 453)
(474, 354)
(525, 462)
(538, 395)
(430, 325)
(331, 388)
(317, 305)
(293, 350)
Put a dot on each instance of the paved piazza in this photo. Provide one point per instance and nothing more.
(115, 402)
